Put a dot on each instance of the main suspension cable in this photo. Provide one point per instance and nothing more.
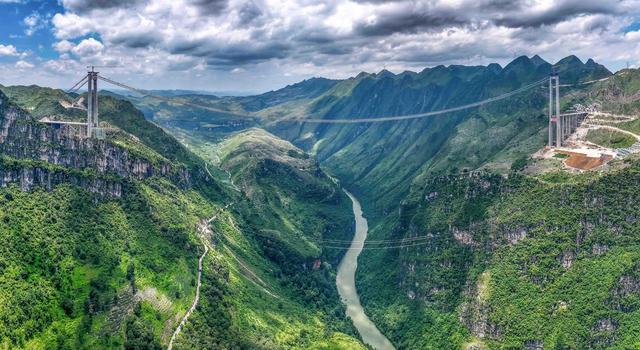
(329, 121)
(418, 115)
(170, 100)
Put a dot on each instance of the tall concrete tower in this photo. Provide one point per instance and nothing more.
(93, 125)
(554, 116)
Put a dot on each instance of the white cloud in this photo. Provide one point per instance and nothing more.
(88, 48)
(24, 65)
(8, 50)
(63, 46)
(178, 42)
(70, 25)
(34, 22)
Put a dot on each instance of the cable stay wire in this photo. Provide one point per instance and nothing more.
(78, 85)
(328, 121)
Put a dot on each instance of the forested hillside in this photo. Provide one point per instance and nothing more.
(527, 260)
(500, 257)
(378, 161)
(518, 261)
(101, 240)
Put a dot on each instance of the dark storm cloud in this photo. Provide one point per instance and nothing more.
(249, 13)
(88, 5)
(137, 40)
(429, 16)
(411, 22)
(315, 36)
(243, 54)
(221, 54)
(196, 48)
(561, 11)
(230, 34)
(211, 7)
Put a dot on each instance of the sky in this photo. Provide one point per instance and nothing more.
(248, 46)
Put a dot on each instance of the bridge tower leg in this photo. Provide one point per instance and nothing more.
(92, 102)
(94, 98)
(554, 112)
(551, 120)
(89, 104)
(560, 135)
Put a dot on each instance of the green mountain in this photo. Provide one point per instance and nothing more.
(518, 260)
(102, 238)
(485, 247)
(378, 161)
(492, 256)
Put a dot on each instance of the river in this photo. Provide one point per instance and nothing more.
(346, 283)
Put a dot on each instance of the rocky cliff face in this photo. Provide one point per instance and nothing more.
(24, 138)
(29, 177)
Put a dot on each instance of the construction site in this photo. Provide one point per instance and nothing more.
(591, 139)
(584, 137)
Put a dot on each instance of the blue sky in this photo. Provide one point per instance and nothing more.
(258, 45)
(38, 38)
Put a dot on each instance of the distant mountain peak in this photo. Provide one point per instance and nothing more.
(494, 67)
(571, 59)
(385, 73)
(519, 63)
(362, 75)
(537, 60)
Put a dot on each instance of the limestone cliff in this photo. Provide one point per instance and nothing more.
(36, 154)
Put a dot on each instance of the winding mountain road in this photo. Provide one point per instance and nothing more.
(203, 229)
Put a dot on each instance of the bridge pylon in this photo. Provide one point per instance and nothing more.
(93, 124)
(555, 120)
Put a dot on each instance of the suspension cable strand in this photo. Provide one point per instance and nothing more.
(586, 82)
(382, 247)
(418, 115)
(171, 100)
(78, 85)
(383, 241)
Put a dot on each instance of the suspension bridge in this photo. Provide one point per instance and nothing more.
(561, 125)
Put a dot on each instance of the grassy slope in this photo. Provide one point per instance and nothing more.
(69, 258)
(385, 159)
(610, 138)
(381, 160)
